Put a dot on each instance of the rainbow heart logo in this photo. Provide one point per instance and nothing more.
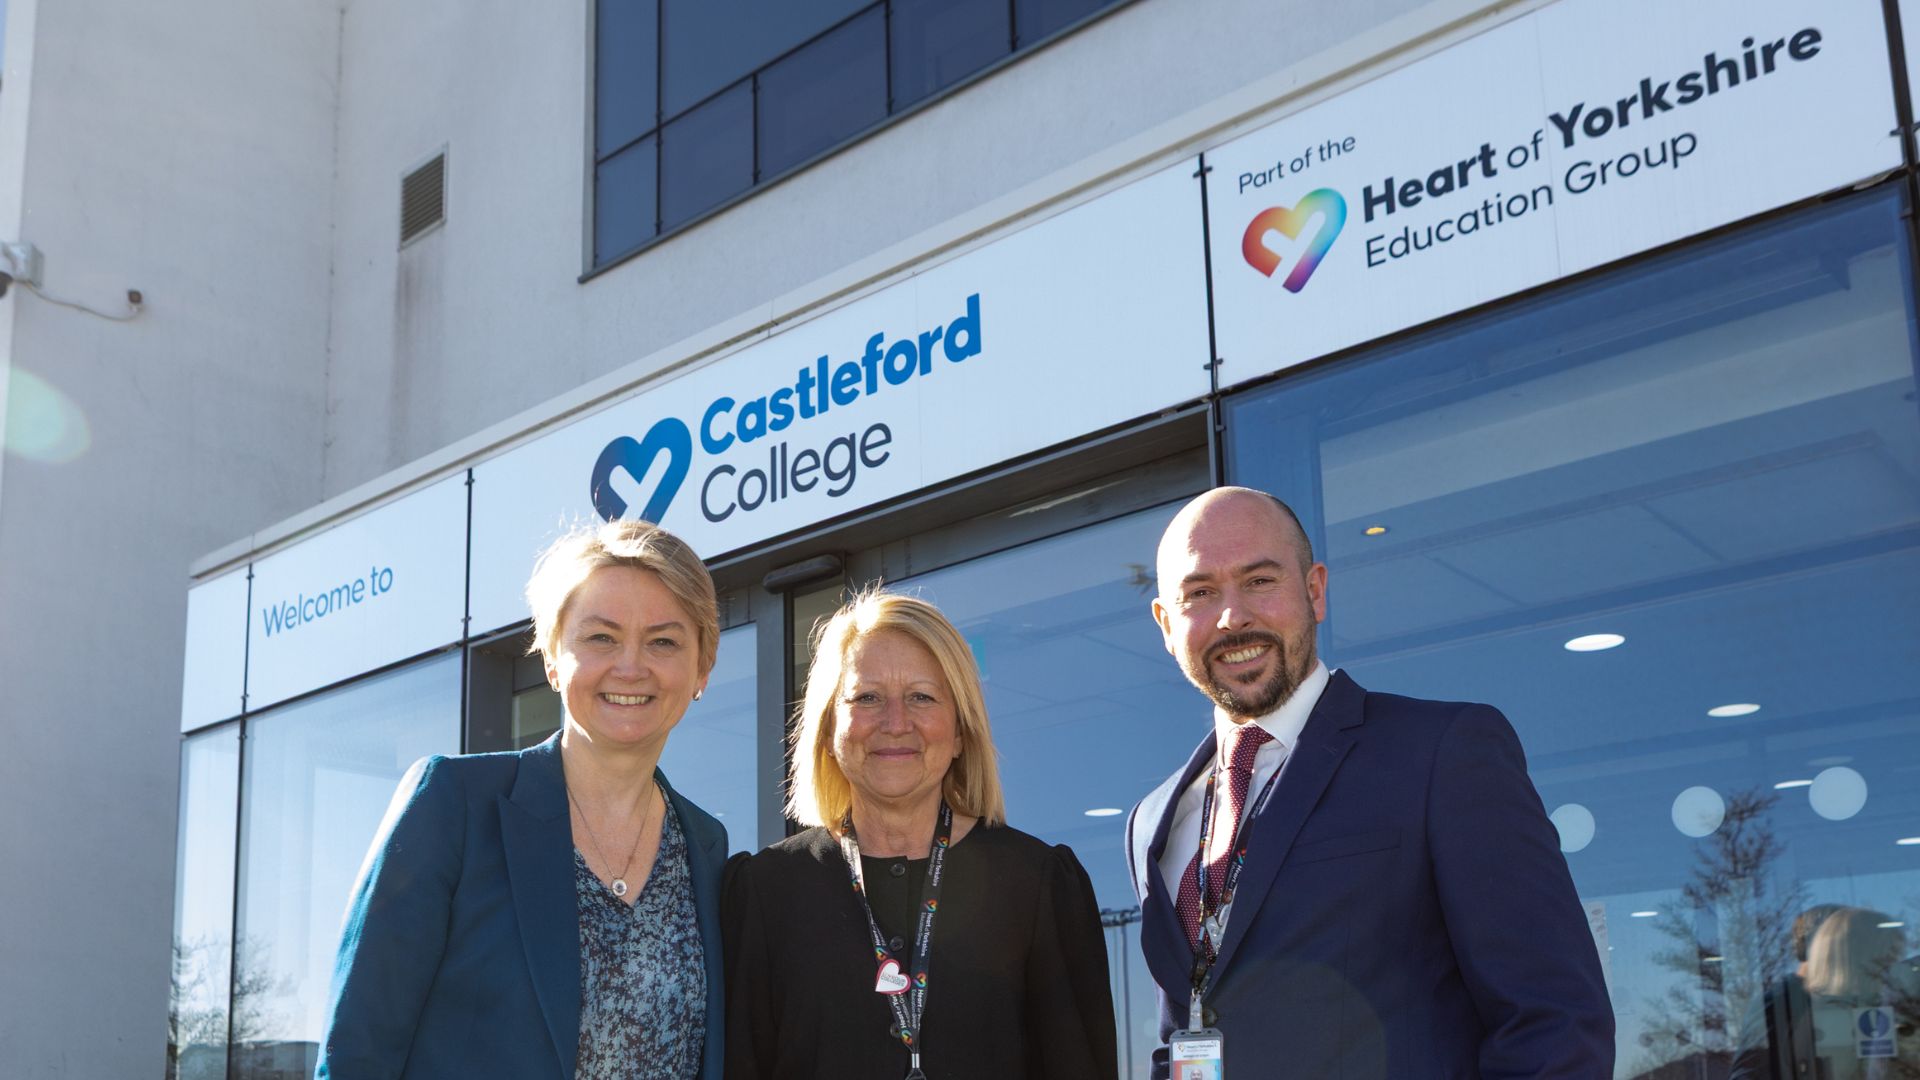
(1290, 221)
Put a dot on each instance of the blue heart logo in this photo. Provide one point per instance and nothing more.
(669, 435)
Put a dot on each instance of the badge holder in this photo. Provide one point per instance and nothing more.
(1198, 1055)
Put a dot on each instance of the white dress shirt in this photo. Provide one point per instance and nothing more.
(1284, 724)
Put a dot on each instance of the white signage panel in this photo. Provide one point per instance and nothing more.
(1568, 138)
(380, 587)
(1085, 320)
(216, 668)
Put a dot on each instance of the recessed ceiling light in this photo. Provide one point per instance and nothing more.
(1645, 914)
(1745, 708)
(1785, 784)
(1376, 530)
(1895, 925)
(1908, 841)
(1594, 642)
(1711, 959)
(1104, 811)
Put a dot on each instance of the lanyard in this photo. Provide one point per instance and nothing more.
(909, 1001)
(1211, 929)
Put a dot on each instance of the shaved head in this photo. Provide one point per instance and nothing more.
(1240, 599)
(1207, 505)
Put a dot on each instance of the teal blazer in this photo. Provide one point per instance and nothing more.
(460, 956)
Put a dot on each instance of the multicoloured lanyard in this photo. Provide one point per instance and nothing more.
(906, 996)
(1211, 930)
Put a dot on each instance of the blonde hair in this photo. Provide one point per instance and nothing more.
(637, 545)
(817, 791)
(1851, 954)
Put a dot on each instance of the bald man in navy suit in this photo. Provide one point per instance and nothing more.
(1380, 893)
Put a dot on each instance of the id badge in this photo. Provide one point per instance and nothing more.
(1197, 1055)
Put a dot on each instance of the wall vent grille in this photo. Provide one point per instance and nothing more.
(423, 199)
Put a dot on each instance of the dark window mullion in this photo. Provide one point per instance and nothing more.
(886, 51)
(659, 110)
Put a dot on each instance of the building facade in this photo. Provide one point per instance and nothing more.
(1580, 334)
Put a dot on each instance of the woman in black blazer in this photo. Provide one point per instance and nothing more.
(554, 912)
(910, 897)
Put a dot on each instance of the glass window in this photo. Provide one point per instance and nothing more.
(737, 93)
(625, 74)
(936, 43)
(624, 191)
(707, 156)
(1089, 713)
(1038, 18)
(827, 91)
(203, 908)
(1669, 521)
(710, 756)
(709, 45)
(319, 776)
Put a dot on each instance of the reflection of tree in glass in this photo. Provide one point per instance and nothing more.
(197, 1019)
(1732, 935)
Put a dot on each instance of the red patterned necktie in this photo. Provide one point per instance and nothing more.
(1247, 739)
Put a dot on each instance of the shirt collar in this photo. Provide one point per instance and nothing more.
(1285, 722)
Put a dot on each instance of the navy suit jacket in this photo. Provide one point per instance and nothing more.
(1404, 912)
(461, 951)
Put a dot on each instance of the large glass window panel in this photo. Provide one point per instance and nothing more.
(1714, 458)
(625, 72)
(203, 907)
(319, 776)
(1038, 18)
(709, 44)
(707, 156)
(936, 43)
(1089, 712)
(625, 187)
(824, 93)
(710, 756)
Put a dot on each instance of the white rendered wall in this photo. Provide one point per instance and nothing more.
(184, 149)
(484, 319)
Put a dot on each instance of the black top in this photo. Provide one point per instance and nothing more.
(893, 888)
(1018, 980)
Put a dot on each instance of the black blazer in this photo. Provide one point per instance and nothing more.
(460, 956)
(1017, 986)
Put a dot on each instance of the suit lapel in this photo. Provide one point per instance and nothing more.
(1310, 766)
(1162, 939)
(538, 837)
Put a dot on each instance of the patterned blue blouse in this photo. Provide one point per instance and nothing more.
(643, 975)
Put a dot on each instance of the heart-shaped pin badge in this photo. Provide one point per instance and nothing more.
(890, 980)
(1290, 221)
(669, 436)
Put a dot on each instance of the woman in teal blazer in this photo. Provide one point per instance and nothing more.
(554, 912)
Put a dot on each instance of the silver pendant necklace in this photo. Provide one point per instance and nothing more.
(619, 883)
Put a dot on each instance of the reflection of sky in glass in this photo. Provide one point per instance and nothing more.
(1088, 710)
(319, 776)
(203, 902)
(710, 757)
(1715, 456)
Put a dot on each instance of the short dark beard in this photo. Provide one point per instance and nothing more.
(1248, 701)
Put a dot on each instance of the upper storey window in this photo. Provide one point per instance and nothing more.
(696, 102)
